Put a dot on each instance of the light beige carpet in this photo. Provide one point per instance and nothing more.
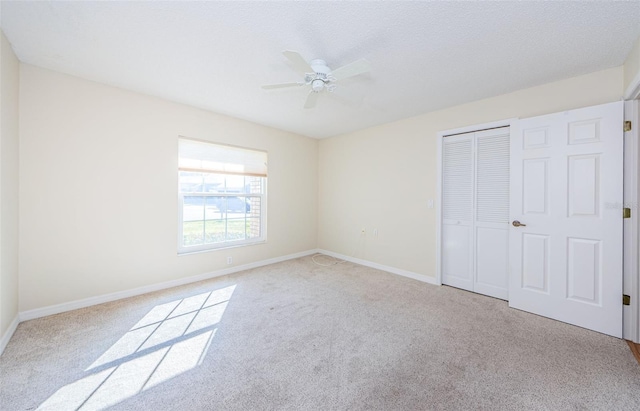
(299, 336)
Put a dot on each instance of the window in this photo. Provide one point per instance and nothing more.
(222, 196)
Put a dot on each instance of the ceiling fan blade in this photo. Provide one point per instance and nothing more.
(299, 63)
(352, 69)
(282, 85)
(312, 98)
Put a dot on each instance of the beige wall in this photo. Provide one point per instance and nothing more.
(632, 65)
(98, 205)
(382, 177)
(98, 180)
(9, 83)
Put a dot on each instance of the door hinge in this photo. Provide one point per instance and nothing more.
(626, 212)
(627, 126)
(626, 299)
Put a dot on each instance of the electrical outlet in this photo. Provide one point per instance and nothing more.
(229, 260)
(375, 232)
(430, 204)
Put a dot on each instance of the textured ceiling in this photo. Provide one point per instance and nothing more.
(425, 55)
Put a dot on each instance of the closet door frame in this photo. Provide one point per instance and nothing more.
(442, 135)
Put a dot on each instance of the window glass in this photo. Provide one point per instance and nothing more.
(219, 209)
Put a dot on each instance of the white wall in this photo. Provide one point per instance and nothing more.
(383, 177)
(9, 82)
(98, 181)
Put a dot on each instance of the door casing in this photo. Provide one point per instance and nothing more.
(631, 280)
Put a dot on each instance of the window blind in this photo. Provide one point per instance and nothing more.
(199, 156)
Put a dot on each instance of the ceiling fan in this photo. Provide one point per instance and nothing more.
(319, 76)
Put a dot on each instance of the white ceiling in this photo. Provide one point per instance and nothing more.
(425, 55)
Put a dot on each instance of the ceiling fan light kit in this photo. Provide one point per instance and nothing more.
(318, 76)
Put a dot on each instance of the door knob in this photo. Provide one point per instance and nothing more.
(517, 223)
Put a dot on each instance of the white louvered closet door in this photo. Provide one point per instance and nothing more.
(491, 226)
(475, 211)
(457, 211)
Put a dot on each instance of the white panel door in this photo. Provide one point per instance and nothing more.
(566, 191)
(457, 211)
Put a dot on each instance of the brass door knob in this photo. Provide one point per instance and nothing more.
(517, 223)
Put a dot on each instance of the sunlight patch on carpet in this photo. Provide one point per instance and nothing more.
(170, 340)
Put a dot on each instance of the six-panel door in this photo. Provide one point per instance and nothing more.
(566, 187)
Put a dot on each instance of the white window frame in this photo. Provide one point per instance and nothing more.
(182, 249)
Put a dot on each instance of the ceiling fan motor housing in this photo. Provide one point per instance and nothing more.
(322, 71)
(320, 67)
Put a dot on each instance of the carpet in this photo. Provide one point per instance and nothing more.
(300, 336)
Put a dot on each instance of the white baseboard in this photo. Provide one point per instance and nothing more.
(9, 333)
(86, 302)
(393, 270)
